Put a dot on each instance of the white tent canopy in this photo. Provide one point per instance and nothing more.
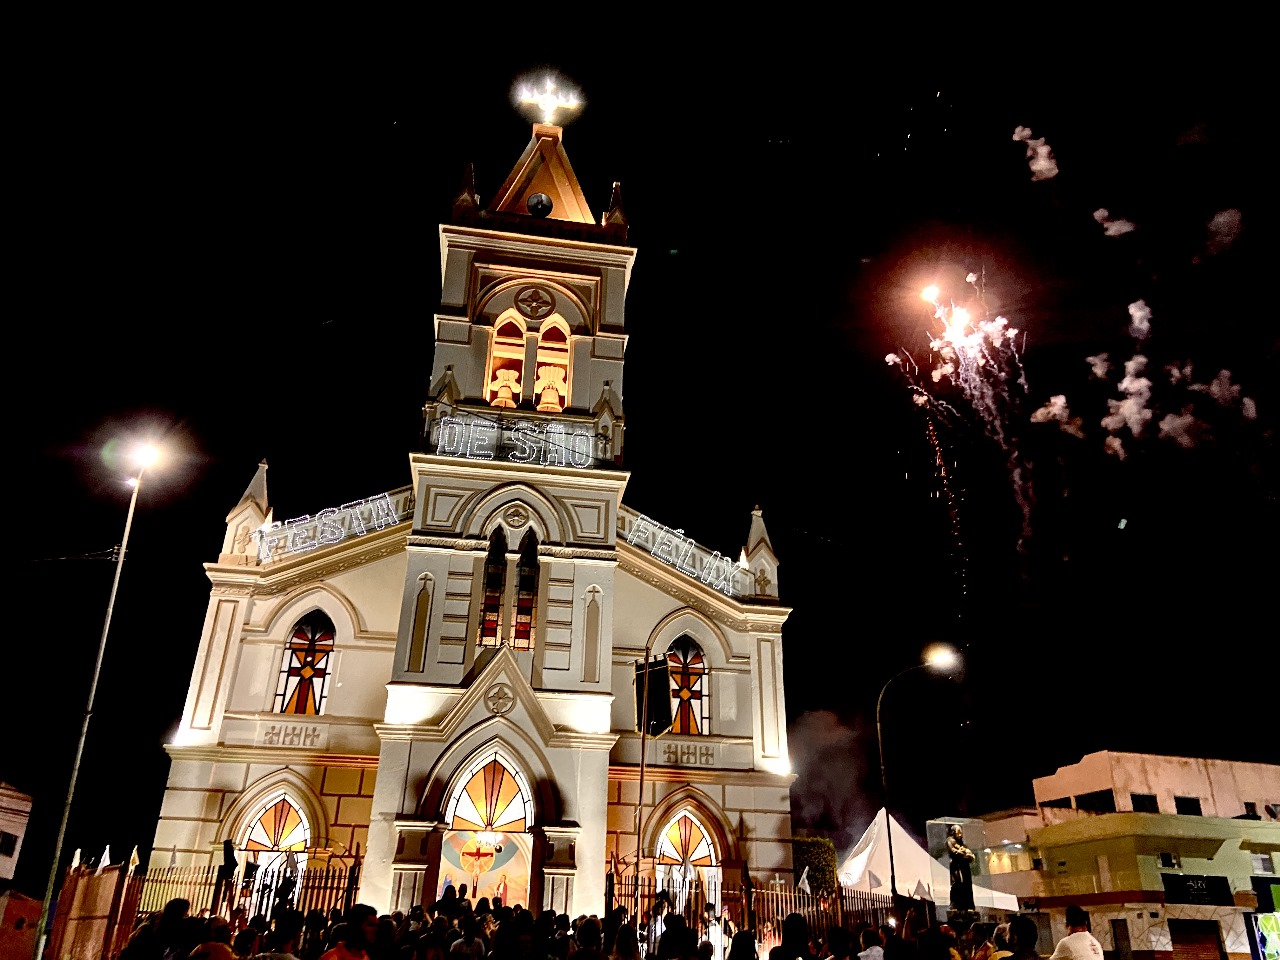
(917, 874)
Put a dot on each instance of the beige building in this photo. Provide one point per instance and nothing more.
(15, 812)
(437, 682)
(1171, 856)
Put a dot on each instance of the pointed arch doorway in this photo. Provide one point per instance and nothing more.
(485, 844)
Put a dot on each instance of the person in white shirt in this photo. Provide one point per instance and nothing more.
(657, 923)
(872, 945)
(1079, 943)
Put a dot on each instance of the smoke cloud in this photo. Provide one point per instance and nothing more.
(1224, 227)
(1139, 320)
(1039, 155)
(1113, 228)
(1130, 412)
(829, 760)
(1057, 411)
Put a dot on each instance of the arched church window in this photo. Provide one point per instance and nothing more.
(506, 367)
(551, 388)
(689, 694)
(279, 829)
(492, 797)
(492, 803)
(304, 673)
(685, 844)
(495, 581)
(526, 593)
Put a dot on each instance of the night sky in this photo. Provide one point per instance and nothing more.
(255, 277)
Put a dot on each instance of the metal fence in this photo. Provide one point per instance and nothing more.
(760, 907)
(98, 910)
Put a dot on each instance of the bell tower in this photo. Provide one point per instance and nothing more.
(530, 336)
(504, 651)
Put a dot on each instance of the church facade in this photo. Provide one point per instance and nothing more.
(443, 682)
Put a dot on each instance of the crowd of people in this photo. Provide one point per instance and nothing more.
(455, 928)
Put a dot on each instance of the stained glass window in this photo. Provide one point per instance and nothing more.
(689, 701)
(686, 842)
(304, 674)
(279, 826)
(526, 593)
(495, 581)
(492, 798)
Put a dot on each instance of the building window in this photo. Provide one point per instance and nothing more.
(1100, 801)
(1062, 803)
(492, 798)
(304, 674)
(495, 581)
(1144, 803)
(1263, 862)
(1251, 810)
(1187, 806)
(526, 593)
(551, 389)
(506, 368)
(683, 847)
(689, 700)
(1170, 860)
(278, 830)
(9, 843)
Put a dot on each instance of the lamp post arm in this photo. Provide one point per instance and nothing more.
(884, 780)
(84, 725)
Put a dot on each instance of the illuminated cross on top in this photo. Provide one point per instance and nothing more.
(548, 100)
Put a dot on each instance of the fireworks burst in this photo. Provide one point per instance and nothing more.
(978, 355)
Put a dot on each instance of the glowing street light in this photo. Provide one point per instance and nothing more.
(144, 456)
(938, 656)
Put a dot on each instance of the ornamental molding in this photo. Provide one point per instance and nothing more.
(709, 775)
(500, 699)
(225, 590)
(289, 756)
(309, 573)
(690, 599)
(575, 553)
(474, 545)
(749, 620)
(448, 543)
(534, 303)
(441, 733)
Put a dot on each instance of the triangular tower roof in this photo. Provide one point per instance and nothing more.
(544, 168)
(758, 534)
(255, 494)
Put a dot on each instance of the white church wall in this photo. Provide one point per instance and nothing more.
(207, 802)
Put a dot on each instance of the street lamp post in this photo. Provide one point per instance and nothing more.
(937, 657)
(145, 457)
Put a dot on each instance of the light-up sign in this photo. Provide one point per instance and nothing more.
(686, 555)
(552, 444)
(332, 525)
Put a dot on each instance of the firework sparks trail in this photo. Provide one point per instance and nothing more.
(980, 357)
